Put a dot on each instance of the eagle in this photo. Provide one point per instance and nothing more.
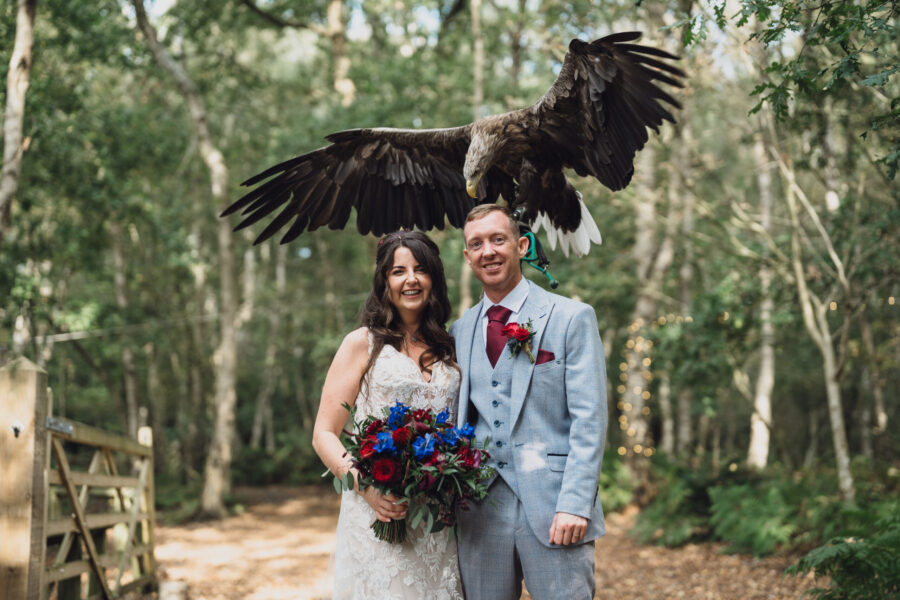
(592, 120)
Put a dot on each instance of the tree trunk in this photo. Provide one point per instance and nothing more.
(157, 403)
(812, 450)
(17, 80)
(685, 425)
(465, 276)
(667, 443)
(865, 415)
(685, 273)
(217, 473)
(652, 263)
(337, 31)
(262, 419)
(876, 383)
(335, 311)
(815, 319)
(761, 416)
(129, 369)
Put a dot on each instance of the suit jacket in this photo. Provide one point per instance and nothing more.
(558, 410)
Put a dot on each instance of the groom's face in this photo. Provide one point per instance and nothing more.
(493, 251)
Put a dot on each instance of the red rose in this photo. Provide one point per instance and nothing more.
(385, 470)
(466, 457)
(427, 482)
(367, 449)
(374, 426)
(512, 330)
(401, 436)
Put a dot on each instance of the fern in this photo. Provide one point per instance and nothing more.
(750, 523)
(865, 568)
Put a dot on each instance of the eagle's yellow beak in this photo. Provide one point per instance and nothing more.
(472, 186)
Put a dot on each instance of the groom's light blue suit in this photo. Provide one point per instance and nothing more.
(547, 428)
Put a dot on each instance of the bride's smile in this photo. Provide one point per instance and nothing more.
(409, 284)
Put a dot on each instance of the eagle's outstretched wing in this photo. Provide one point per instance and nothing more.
(595, 116)
(393, 177)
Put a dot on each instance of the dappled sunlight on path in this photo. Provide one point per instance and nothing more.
(280, 549)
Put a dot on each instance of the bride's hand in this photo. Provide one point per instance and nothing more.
(384, 505)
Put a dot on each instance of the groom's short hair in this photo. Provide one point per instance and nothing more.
(480, 211)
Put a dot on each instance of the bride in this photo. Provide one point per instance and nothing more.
(403, 352)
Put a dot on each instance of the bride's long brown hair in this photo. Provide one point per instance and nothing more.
(382, 318)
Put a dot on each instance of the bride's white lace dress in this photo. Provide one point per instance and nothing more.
(425, 565)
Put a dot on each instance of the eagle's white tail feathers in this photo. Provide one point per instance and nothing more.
(579, 240)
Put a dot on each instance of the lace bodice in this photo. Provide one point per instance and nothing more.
(396, 376)
(424, 566)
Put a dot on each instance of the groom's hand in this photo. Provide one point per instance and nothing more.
(567, 529)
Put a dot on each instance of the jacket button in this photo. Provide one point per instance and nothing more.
(501, 464)
(495, 383)
(495, 403)
(499, 443)
(497, 423)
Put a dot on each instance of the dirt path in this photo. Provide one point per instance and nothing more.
(280, 548)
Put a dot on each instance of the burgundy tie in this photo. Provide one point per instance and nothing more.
(497, 316)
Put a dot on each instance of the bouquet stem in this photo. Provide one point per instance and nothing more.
(393, 532)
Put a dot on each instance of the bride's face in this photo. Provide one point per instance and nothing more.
(409, 284)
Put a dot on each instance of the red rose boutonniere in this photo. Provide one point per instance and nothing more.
(520, 337)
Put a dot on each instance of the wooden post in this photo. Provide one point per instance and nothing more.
(23, 498)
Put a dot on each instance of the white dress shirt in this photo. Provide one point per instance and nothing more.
(514, 301)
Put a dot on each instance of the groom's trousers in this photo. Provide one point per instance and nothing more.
(497, 548)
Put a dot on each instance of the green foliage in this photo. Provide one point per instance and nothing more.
(859, 567)
(616, 486)
(294, 462)
(679, 513)
(761, 512)
(749, 520)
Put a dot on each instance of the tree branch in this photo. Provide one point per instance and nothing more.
(280, 21)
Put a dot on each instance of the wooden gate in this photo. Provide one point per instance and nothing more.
(76, 502)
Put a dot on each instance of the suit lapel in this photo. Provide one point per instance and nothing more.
(464, 357)
(537, 307)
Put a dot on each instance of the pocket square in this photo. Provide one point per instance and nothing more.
(544, 356)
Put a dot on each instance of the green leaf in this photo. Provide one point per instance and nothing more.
(418, 512)
(337, 485)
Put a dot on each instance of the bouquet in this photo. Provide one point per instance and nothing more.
(422, 459)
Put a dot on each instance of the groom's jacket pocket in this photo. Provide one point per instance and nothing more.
(557, 462)
(544, 356)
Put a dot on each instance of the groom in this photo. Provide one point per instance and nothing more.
(546, 421)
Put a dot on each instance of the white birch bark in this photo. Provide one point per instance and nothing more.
(815, 319)
(17, 81)
(761, 416)
(217, 473)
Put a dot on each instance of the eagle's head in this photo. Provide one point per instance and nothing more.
(483, 151)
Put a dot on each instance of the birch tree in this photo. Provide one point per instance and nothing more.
(17, 80)
(216, 480)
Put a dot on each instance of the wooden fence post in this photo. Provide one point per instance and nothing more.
(23, 485)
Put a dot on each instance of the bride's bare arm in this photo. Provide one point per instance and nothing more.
(342, 386)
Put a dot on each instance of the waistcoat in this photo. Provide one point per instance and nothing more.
(489, 392)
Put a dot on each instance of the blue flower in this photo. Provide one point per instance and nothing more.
(467, 431)
(398, 412)
(449, 436)
(424, 446)
(385, 442)
(442, 417)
